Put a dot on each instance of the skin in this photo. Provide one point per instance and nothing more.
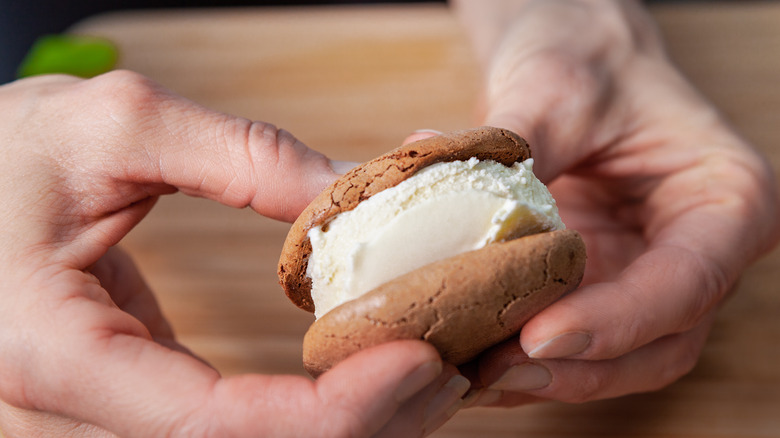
(85, 349)
(640, 163)
(672, 203)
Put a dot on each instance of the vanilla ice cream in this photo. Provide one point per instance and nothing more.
(443, 210)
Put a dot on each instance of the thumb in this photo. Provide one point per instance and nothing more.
(158, 139)
(357, 397)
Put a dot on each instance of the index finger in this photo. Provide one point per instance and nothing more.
(141, 134)
(704, 225)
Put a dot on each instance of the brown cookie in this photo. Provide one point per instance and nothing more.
(459, 305)
(364, 181)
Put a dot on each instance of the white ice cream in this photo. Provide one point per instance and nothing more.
(443, 210)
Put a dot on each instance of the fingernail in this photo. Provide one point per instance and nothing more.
(427, 131)
(525, 377)
(420, 134)
(342, 167)
(563, 345)
(446, 402)
(481, 397)
(417, 380)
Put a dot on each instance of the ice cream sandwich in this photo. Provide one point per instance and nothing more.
(450, 239)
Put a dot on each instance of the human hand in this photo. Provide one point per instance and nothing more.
(672, 203)
(85, 350)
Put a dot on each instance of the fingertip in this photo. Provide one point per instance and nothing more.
(379, 380)
(420, 134)
(342, 167)
(418, 379)
(557, 332)
(398, 368)
(446, 402)
(491, 397)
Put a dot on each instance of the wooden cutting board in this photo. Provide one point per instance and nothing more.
(352, 82)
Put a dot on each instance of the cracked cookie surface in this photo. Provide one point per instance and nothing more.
(456, 304)
(370, 178)
(463, 304)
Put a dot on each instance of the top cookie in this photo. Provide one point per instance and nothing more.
(388, 170)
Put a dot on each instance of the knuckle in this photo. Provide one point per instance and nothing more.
(686, 356)
(263, 144)
(591, 386)
(269, 145)
(686, 363)
(345, 422)
(630, 328)
(340, 419)
(14, 380)
(708, 283)
(119, 79)
(716, 283)
(118, 113)
(628, 337)
(125, 94)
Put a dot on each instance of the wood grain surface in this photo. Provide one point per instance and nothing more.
(352, 82)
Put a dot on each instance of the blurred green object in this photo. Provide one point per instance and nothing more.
(77, 55)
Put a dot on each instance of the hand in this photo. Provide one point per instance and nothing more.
(85, 349)
(672, 203)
